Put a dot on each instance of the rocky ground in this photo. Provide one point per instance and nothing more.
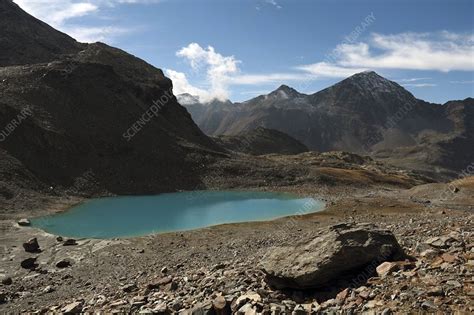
(219, 269)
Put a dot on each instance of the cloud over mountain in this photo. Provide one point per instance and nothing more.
(61, 14)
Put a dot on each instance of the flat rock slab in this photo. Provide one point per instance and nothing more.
(337, 251)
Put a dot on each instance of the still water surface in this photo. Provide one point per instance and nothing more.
(137, 216)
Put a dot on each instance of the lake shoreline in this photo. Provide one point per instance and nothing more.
(102, 270)
(172, 212)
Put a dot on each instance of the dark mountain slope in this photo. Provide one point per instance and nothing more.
(90, 113)
(440, 153)
(26, 40)
(262, 141)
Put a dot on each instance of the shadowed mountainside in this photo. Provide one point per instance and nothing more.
(261, 141)
(89, 112)
(25, 39)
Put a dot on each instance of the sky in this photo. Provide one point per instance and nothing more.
(239, 49)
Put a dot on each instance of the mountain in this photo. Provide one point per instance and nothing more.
(89, 111)
(207, 116)
(26, 39)
(364, 113)
(262, 141)
(438, 153)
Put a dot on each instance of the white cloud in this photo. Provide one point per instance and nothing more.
(251, 79)
(328, 70)
(419, 84)
(181, 85)
(94, 34)
(412, 79)
(58, 14)
(414, 51)
(442, 51)
(220, 72)
(462, 82)
(218, 68)
(273, 3)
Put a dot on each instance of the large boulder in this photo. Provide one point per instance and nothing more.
(335, 252)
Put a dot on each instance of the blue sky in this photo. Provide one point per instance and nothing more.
(238, 49)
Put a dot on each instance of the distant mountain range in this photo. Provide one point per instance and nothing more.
(365, 114)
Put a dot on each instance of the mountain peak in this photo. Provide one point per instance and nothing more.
(371, 82)
(285, 92)
(187, 99)
(27, 40)
(368, 74)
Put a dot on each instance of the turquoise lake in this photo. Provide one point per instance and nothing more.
(117, 217)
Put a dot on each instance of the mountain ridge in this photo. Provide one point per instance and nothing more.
(364, 113)
(27, 40)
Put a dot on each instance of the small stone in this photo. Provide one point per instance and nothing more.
(24, 222)
(220, 305)
(218, 267)
(202, 308)
(72, 308)
(118, 303)
(386, 268)
(428, 305)
(341, 296)
(439, 242)
(454, 283)
(48, 289)
(435, 291)
(177, 305)
(29, 263)
(3, 297)
(7, 281)
(70, 242)
(157, 284)
(429, 253)
(247, 309)
(59, 239)
(370, 304)
(129, 288)
(161, 308)
(449, 258)
(174, 285)
(63, 263)
(139, 300)
(364, 294)
(31, 246)
(299, 310)
(164, 270)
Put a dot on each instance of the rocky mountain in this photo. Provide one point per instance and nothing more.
(25, 39)
(364, 113)
(261, 141)
(208, 116)
(440, 153)
(89, 111)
